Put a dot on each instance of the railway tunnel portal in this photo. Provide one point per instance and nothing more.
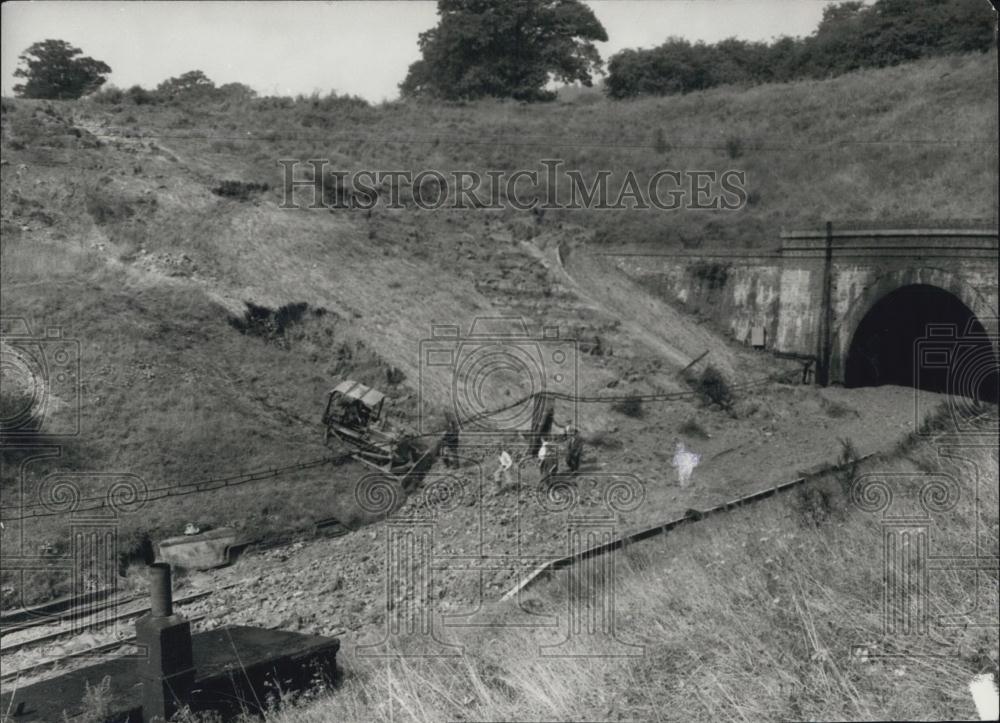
(908, 306)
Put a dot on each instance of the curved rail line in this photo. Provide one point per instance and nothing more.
(545, 570)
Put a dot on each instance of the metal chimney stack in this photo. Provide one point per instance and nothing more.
(168, 672)
(161, 593)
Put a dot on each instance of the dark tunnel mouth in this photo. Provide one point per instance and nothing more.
(925, 337)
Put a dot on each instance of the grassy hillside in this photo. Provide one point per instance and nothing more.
(915, 142)
(117, 227)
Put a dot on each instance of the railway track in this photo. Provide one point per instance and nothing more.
(83, 623)
(545, 570)
(92, 651)
(96, 619)
(58, 610)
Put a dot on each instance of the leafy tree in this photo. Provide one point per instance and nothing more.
(236, 92)
(677, 66)
(838, 46)
(192, 83)
(53, 70)
(507, 49)
(140, 96)
(851, 35)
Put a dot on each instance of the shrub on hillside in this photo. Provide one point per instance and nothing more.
(630, 406)
(240, 190)
(272, 325)
(815, 503)
(105, 206)
(190, 86)
(108, 96)
(691, 428)
(140, 96)
(712, 387)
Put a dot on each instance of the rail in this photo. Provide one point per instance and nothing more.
(691, 516)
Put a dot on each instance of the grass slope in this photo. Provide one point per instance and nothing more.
(914, 142)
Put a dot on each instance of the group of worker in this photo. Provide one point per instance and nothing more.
(547, 456)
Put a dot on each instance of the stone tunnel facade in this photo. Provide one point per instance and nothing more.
(811, 294)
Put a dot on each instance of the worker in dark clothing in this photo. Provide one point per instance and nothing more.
(574, 449)
(353, 414)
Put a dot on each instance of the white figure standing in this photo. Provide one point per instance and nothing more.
(503, 471)
(685, 462)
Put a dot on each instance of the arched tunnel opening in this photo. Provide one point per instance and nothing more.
(923, 336)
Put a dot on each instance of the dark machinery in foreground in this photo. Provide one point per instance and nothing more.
(355, 415)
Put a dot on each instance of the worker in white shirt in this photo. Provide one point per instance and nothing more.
(503, 471)
(548, 461)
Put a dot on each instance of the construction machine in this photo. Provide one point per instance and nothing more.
(355, 416)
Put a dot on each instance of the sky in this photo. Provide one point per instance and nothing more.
(357, 48)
